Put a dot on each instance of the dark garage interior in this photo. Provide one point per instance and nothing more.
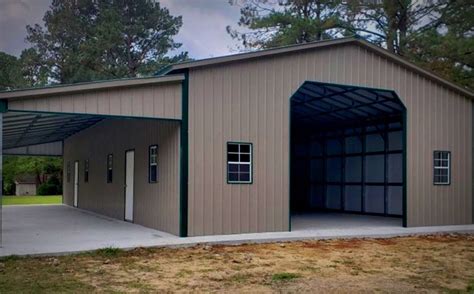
(347, 154)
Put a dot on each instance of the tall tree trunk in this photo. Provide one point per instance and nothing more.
(391, 37)
(38, 179)
(402, 29)
(390, 8)
(319, 35)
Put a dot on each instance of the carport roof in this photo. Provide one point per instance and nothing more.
(31, 128)
(25, 129)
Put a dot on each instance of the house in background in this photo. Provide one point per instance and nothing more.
(25, 185)
(250, 142)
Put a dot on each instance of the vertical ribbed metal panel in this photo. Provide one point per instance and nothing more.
(160, 101)
(156, 205)
(248, 101)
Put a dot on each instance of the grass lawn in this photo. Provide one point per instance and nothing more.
(20, 200)
(408, 264)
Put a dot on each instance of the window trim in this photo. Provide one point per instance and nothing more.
(68, 172)
(109, 181)
(448, 168)
(86, 170)
(149, 164)
(227, 164)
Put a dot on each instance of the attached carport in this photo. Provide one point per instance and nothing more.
(23, 129)
(42, 118)
(40, 121)
(347, 157)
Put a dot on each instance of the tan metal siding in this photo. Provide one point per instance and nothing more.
(153, 101)
(248, 101)
(155, 205)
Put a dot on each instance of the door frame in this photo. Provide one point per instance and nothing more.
(405, 123)
(125, 186)
(75, 200)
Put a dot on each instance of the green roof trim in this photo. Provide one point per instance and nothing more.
(89, 86)
(354, 40)
(164, 70)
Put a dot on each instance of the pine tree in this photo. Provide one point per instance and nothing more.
(85, 40)
(447, 46)
(10, 72)
(267, 23)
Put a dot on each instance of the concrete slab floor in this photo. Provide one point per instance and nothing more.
(39, 229)
(58, 229)
(332, 221)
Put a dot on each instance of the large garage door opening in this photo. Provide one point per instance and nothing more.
(347, 157)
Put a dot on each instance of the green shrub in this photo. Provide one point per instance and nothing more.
(51, 187)
(46, 189)
(9, 258)
(9, 188)
(284, 276)
(54, 181)
(109, 251)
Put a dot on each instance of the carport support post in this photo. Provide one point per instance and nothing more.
(3, 109)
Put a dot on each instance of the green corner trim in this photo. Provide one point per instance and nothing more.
(405, 198)
(163, 71)
(3, 106)
(290, 163)
(184, 153)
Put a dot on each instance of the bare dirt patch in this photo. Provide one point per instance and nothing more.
(410, 264)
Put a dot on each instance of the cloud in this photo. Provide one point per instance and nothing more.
(14, 16)
(203, 33)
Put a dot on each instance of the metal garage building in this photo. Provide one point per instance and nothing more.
(238, 144)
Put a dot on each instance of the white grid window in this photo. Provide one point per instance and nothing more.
(68, 172)
(442, 168)
(153, 161)
(239, 163)
(110, 165)
(86, 171)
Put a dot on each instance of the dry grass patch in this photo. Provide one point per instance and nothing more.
(409, 264)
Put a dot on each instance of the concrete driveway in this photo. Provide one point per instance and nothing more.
(42, 229)
(59, 229)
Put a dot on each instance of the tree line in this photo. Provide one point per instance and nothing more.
(85, 40)
(435, 34)
(47, 172)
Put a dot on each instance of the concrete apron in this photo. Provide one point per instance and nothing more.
(258, 238)
(154, 238)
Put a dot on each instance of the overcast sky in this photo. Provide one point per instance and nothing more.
(203, 33)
